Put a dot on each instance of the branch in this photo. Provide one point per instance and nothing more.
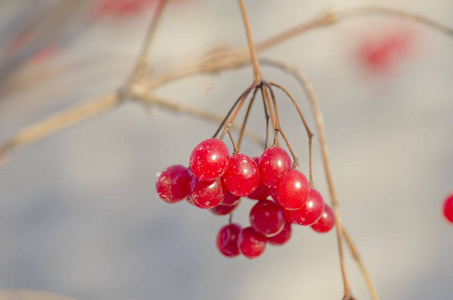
(215, 61)
(308, 88)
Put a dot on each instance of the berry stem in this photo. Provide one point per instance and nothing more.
(266, 116)
(256, 66)
(307, 129)
(243, 95)
(241, 134)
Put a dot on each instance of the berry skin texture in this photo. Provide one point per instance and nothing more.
(262, 191)
(173, 184)
(282, 237)
(209, 159)
(274, 163)
(311, 210)
(206, 195)
(327, 221)
(251, 243)
(267, 218)
(292, 190)
(448, 208)
(242, 176)
(227, 240)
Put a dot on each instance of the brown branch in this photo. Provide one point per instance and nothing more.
(358, 259)
(216, 61)
(58, 122)
(256, 65)
(308, 88)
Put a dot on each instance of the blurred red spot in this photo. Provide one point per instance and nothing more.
(123, 8)
(383, 53)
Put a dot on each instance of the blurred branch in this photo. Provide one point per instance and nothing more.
(308, 88)
(214, 61)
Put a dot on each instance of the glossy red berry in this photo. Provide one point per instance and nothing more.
(311, 210)
(172, 185)
(292, 190)
(230, 199)
(227, 240)
(262, 191)
(209, 159)
(242, 176)
(251, 243)
(448, 208)
(326, 222)
(222, 210)
(282, 237)
(273, 164)
(206, 195)
(267, 218)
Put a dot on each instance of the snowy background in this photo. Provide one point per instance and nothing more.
(79, 215)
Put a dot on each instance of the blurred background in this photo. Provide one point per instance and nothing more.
(79, 215)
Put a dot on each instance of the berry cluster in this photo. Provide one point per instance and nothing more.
(217, 181)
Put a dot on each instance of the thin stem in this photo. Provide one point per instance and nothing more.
(241, 134)
(256, 66)
(278, 126)
(235, 148)
(307, 129)
(266, 116)
(197, 113)
(358, 259)
(238, 108)
(222, 124)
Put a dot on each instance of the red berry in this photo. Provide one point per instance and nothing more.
(327, 221)
(274, 163)
(206, 194)
(262, 191)
(242, 176)
(448, 208)
(227, 240)
(222, 210)
(209, 159)
(292, 190)
(288, 217)
(267, 218)
(282, 237)
(311, 210)
(230, 199)
(173, 184)
(251, 243)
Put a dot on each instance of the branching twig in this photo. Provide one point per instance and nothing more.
(226, 59)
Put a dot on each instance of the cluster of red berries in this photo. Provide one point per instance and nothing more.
(217, 181)
(448, 208)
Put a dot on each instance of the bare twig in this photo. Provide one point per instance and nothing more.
(358, 259)
(230, 59)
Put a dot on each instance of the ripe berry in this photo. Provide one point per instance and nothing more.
(267, 218)
(282, 237)
(327, 221)
(209, 159)
(222, 210)
(227, 240)
(173, 184)
(262, 191)
(206, 194)
(251, 243)
(311, 210)
(242, 176)
(292, 190)
(230, 199)
(448, 208)
(273, 164)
